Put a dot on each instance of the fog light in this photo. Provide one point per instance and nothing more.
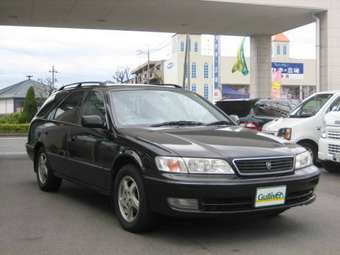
(183, 203)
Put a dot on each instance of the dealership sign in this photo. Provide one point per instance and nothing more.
(291, 71)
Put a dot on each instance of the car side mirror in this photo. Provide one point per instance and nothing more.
(92, 121)
(235, 118)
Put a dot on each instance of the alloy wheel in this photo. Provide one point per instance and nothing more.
(42, 168)
(128, 198)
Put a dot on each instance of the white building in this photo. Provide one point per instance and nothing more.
(298, 75)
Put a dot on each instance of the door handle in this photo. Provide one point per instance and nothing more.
(73, 139)
(318, 128)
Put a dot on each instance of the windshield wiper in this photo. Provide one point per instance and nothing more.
(178, 123)
(220, 122)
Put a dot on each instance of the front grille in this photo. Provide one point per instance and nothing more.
(333, 134)
(332, 148)
(264, 166)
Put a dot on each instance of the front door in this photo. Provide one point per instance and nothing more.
(92, 149)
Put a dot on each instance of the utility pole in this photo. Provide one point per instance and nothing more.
(186, 73)
(148, 68)
(53, 72)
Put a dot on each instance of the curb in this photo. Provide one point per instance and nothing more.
(13, 155)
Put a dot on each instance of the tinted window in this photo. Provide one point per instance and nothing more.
(241, 108)
(94, 105)
(68, 111)
(272, 108)
(47, 106)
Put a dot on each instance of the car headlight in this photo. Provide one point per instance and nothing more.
(193, 165)
(303, 160)
(286, 133)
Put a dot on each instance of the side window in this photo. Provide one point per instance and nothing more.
(68, 111)
(335, 106)
(94, 105)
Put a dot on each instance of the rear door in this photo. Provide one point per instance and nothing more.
(65, 115)
(92, 150)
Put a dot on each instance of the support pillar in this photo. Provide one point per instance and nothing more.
(330, 48)
(260, 66)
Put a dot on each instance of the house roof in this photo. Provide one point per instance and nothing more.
(280, 38)
(19, 90)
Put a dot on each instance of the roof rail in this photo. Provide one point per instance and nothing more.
(100, 83)
(168, 84)
(79, 84)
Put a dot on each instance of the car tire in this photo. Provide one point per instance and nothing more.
(47, 181)
(331, 167)
(130, 201)
(313, 149)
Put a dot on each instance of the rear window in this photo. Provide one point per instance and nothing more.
(236, 107)
(271, 108)
(47, 106)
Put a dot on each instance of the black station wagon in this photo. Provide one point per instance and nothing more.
(163, 150)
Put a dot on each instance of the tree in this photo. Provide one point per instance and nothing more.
(122, 75)
(30, 106)
(49, 83)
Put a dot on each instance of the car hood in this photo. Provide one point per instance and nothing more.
(226, 142)
(276, 124)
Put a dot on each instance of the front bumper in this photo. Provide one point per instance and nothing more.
(228, 196)
(324, 144)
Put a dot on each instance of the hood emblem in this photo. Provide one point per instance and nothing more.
(269, 165)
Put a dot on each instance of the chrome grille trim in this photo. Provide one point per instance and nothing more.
(332, 148)
(287, 166)
(333, 134)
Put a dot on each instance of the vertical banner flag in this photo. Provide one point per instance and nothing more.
(240, 64)
(216, 68)
(276, 84)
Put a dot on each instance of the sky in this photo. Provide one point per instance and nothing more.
(84, 54)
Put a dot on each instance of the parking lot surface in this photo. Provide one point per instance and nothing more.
(79, 221)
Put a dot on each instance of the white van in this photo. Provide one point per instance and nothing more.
(304, 123)
(329, 143)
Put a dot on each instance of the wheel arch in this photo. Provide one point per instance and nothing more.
(310, 141)
(129, 157)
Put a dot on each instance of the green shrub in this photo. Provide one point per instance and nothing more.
(12, 118)
(30, 106)
(13, 128)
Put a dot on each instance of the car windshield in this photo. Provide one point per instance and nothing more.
(311, 106)
(154, 107)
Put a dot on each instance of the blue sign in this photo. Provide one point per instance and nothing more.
(288, 68)
(293, 71)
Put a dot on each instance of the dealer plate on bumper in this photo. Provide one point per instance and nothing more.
(270, 196)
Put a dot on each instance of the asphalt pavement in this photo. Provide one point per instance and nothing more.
(12, 147)
(79, 221)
